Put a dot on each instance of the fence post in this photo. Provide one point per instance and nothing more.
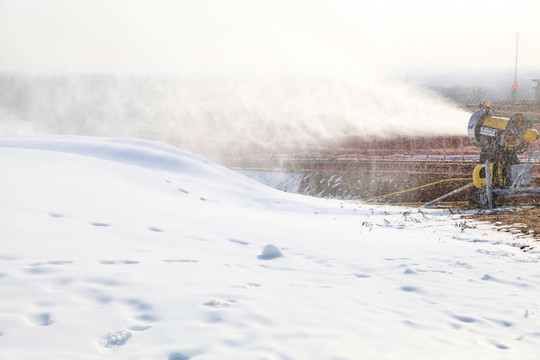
(396, 152)
(462, 155)
(444, 147)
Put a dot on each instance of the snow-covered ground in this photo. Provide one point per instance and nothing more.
(128, 249)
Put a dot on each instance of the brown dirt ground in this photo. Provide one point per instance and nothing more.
(519, 220)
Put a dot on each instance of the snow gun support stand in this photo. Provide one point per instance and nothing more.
(500, 175)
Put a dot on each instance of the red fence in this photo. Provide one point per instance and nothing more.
(402, 149)
(442, 148)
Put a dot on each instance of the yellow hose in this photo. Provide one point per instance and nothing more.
(418, 187)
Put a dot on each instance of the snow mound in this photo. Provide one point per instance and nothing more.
(137, 152)
(148, 156)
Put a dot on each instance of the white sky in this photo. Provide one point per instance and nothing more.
(273, 36)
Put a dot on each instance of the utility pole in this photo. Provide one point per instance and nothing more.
(515, 85)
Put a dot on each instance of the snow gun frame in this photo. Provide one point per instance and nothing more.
(500, 140)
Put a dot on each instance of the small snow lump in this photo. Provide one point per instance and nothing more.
(270, 252)
(115, 339)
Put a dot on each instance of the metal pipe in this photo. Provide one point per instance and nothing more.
(488, 184)
(441, 198)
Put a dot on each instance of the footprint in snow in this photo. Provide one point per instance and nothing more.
(155, 229)
(502, 323)
(143, 309)
(412, 324)
(100, 224)
(139, 327)
(102, 298)
(361, 275)
(60, 262)
(37, 269)
(465, 319)
(249, 285)
(220, 303)
(147, 318)
(394, 259)
(183, 191)
(105, 282)
(408, 288)
(236, 241)
(41, 319)
(459, 264)
(177, 356)
(138, 304)
(500, 346)
(118, 262)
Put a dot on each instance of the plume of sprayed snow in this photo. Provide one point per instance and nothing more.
(208, 115)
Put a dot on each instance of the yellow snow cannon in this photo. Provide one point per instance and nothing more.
(500, 140)
(513, 134)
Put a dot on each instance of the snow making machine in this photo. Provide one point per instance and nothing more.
(500, 175)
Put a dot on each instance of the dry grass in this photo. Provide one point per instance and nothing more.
(519, 220)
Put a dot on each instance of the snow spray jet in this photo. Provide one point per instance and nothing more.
(211, 116)
(99, 105)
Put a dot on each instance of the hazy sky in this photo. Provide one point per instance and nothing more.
(273, 36)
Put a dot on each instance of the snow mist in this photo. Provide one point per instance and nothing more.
(209, 115)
